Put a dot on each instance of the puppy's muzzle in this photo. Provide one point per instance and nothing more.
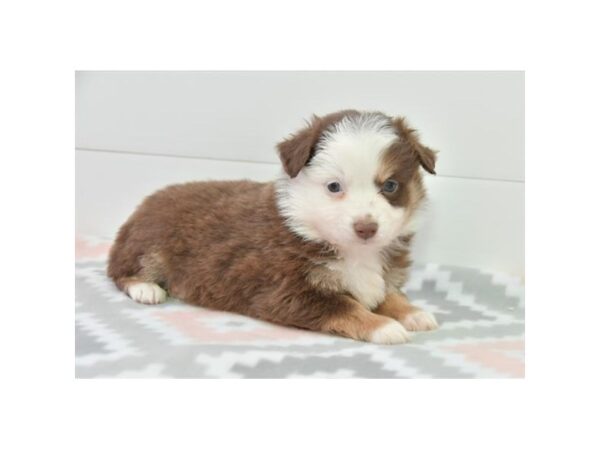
(365, 229)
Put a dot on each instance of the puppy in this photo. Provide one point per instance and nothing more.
(324, 248)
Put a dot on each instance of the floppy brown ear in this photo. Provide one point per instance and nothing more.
(297, 150)
(426, 156)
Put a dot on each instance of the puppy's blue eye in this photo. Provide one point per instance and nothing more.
(389, 186)
(334, 187)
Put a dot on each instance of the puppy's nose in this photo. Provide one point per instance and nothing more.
(365, 229)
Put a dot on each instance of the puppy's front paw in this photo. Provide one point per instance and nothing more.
(419, 320)
(146, 293)
(391, 333)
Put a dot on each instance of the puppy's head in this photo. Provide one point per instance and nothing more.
(352, 179)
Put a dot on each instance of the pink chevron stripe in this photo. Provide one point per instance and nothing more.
(197, 325)
(86, 250)
(497, 355)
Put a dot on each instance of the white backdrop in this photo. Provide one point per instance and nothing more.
(138, 131)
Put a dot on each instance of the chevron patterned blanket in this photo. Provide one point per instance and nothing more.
(481, 335)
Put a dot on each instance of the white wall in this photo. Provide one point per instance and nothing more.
(137, 131)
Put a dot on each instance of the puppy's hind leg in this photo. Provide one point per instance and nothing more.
(138, 277)
(144, 292)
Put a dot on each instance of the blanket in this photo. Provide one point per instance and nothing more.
(481, 335)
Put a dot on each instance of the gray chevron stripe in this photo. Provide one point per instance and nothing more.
(481, 335)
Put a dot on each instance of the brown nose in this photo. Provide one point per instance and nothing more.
(365, 230)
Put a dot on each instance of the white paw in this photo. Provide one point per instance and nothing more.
(420, 321)
(147, 293)
(390, 333)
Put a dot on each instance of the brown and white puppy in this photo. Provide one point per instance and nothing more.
(323, 248)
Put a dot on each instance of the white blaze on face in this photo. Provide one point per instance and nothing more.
(351, 155)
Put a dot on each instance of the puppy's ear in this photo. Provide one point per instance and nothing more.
(297, 150)
(426, 156)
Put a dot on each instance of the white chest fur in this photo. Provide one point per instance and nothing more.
(361, 274)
